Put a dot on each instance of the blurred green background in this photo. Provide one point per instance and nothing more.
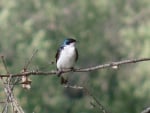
(106, 30)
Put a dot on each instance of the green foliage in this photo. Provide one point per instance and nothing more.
(106, 30)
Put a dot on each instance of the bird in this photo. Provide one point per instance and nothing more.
(66, 56)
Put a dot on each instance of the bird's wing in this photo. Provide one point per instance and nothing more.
(77, 55)
(58, 53)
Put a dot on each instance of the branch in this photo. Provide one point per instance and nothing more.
(55, 72)
(8, 89)
(147, 110)
(141, 15)
(101, 107)
(112, 64)
(29, 61)
(4, 63)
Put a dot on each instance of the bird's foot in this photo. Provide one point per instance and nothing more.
(59, 73)
(64, 81)
(72, 69)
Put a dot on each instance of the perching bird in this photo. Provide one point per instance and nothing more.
(66, 56)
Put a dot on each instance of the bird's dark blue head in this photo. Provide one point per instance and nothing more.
(68, 41)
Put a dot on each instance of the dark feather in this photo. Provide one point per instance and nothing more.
(58, 53)
(77, 55)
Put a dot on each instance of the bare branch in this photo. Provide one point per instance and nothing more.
(8, 89)
(55, 72)
(9, 85)
(101, 107)
(147, 110)
(112, 64)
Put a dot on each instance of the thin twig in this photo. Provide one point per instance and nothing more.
(29, 61)
(5, 109)
(101, 107)
(2, 101)
(140, 16)
(73, 87)
(55, 72)
(4, 63)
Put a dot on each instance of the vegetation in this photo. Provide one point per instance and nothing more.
(106, 31)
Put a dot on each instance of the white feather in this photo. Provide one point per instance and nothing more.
(67, 57)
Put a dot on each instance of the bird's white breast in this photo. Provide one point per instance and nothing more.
(67, 57)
